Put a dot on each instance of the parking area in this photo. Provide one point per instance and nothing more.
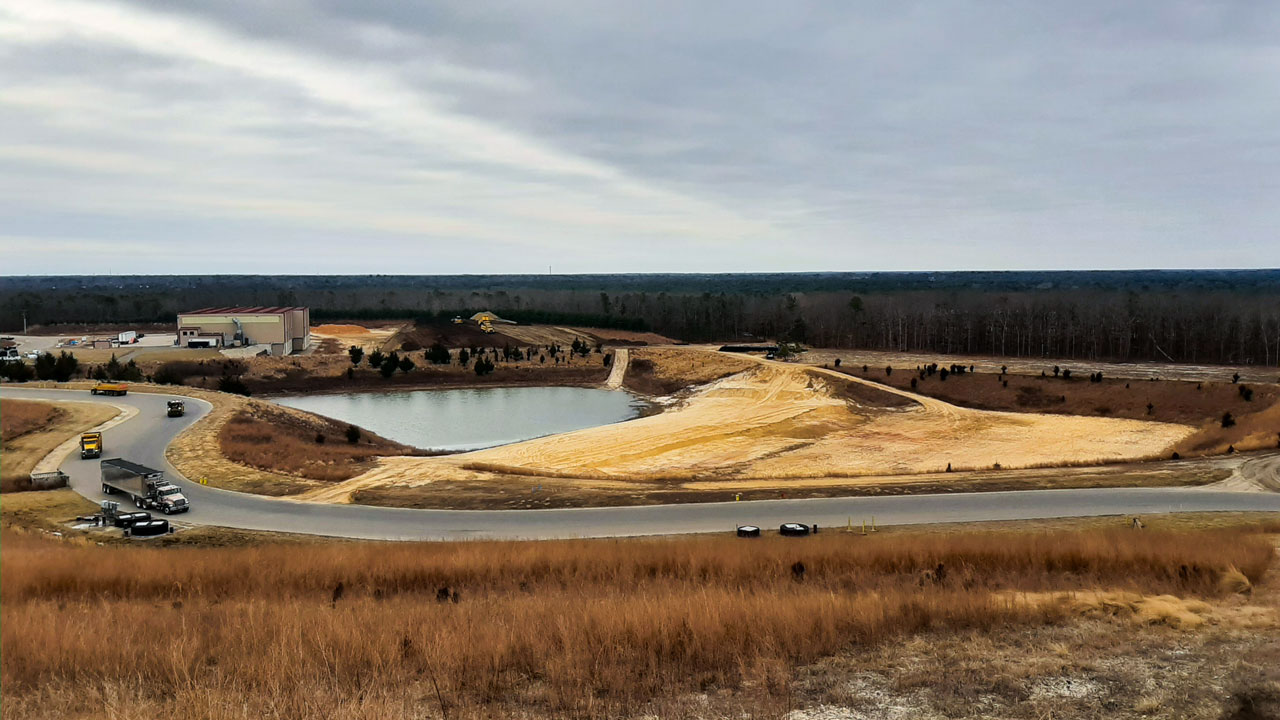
(53, 343)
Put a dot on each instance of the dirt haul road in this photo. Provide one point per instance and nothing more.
(144, 437)
(781, 421)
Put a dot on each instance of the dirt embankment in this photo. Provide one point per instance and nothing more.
(773, 425)
(665, 371)
(1255, 408)
(33, 429)
(1034, 366)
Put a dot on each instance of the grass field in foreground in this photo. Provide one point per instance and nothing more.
(574, 628)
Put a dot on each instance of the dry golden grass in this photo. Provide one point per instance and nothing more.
(19, 417)
(35, 429)
(1255, 430)
(281, 441)
(568, 629)
(45, 510)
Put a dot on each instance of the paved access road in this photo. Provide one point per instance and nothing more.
(143, 439)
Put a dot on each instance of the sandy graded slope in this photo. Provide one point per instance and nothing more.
(780, 421)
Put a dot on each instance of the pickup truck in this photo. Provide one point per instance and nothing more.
(110, 388)
(90, 445)
(147, 487)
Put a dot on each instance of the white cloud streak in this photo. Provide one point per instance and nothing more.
(478, 137)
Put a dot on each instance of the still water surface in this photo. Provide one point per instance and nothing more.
(476, 418)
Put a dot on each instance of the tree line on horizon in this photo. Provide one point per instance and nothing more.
(1175, 321)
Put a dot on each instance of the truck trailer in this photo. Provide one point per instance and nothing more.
(147, 487)
(110, 388)
(90, 445)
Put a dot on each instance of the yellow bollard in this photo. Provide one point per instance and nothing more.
(873, 523)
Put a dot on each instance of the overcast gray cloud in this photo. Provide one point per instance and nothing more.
(379, 136)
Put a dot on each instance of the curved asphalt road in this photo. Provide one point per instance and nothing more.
(143, 439)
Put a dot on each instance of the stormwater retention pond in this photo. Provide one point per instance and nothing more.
(473, 418)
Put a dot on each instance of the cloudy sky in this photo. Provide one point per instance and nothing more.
(227, 136)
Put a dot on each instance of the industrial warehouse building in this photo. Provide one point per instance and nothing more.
(283, 330)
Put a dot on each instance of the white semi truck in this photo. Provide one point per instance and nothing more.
(147, 487)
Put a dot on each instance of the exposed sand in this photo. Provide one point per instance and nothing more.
(608, 334)
(782, 421)
(543, 334)
(365, 337)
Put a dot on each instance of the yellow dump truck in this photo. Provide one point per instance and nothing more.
(111, 388)
(90, 445)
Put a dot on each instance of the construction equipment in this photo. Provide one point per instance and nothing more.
(90, 445)
(111, 388)
(177, 408)
(147, 487)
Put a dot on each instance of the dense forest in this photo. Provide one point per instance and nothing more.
(1215, 316)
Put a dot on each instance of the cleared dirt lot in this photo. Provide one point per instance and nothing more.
(344, 336)
(781, 422)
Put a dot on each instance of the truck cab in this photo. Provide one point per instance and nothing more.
(90, 445)
(168, 499)
(177, 408)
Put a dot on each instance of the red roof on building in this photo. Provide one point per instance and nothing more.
(242, 310)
